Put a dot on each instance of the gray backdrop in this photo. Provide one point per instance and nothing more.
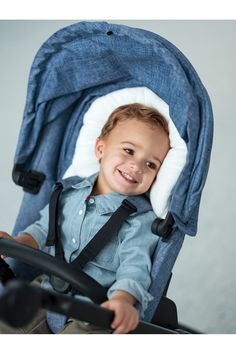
(203, 284)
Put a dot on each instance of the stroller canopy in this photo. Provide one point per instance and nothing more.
(88, 60)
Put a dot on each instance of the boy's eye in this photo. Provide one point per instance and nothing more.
(151, 165)
(129, 151)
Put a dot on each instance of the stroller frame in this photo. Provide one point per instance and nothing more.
(173, 79)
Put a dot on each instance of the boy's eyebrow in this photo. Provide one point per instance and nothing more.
(156, 158)
(129, 142)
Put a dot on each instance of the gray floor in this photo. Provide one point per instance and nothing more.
(203, 284)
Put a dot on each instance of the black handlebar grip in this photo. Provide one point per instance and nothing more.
(5, 272)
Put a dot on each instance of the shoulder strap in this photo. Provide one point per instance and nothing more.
(52, 236)
(102, 237)
(53, 230)
(130, 205)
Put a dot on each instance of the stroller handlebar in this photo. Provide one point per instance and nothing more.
(79, 280)
(20, 302)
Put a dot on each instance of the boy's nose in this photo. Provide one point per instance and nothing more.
(136, 168)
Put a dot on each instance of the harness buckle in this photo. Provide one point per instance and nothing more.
(60, 285)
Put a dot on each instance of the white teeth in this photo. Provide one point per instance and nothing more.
(127, 176)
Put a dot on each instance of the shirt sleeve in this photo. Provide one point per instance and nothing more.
(39, 230)
(135, 251)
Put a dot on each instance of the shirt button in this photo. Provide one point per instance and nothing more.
(91, 201)
(80, 212)
(73, 240)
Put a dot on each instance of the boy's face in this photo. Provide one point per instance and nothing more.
(130, 157)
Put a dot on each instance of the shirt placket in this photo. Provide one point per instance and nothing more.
(85, 220)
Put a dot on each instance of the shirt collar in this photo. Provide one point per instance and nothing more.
(86, 182)
(105, 203)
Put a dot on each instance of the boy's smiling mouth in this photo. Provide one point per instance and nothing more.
(127, 177)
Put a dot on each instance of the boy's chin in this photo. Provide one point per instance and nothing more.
(130, 192)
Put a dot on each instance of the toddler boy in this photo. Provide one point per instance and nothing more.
(131, 148)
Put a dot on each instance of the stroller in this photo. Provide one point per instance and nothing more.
(94, 67)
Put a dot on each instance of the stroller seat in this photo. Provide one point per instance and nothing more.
(74, 73)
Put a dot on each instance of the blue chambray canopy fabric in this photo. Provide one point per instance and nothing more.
(87, 60)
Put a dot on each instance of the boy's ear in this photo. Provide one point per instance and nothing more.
(99, 148)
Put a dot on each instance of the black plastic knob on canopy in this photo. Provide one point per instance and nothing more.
(30, 180)
(163, 227)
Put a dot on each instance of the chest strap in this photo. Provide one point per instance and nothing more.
(95, 245)
(101, 238)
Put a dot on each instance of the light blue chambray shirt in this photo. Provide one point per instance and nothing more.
(125, 262)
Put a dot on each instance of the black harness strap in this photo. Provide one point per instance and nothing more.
(95, 245)
(53, 237)
(112, 226)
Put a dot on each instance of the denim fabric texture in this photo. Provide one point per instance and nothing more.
(124, 263)
(86, 60)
